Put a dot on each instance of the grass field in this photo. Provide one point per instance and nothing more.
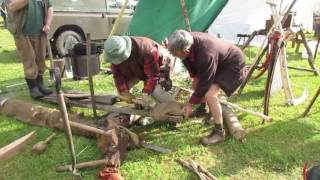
(276, 150)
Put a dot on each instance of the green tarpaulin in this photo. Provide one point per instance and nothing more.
(157, 19)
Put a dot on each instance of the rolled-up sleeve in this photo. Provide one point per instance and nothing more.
(206, 72)
(120, 81)
(151, 70)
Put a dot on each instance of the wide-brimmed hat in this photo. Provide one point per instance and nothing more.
(117, 49)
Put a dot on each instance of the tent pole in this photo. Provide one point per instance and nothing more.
(185, 15)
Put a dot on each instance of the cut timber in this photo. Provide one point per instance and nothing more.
(233, 124)
(83, 165)
(16, 146)
(46, 117)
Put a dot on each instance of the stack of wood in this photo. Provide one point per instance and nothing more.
(202, 173)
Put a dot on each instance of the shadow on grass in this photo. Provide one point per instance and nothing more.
(278, 147)
(8, 57)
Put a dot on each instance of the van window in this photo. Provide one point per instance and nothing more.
(114, 6)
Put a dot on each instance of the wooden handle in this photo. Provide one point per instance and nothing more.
(82, 165)
(89, 128)
(50, 137)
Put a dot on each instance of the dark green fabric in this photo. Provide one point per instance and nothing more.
(34, 19)
(158, 19)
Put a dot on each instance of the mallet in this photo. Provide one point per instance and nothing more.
(41, 146)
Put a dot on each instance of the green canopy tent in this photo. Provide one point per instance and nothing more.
(158, 19)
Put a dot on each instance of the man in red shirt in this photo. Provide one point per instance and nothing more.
(214, 65)
(135, 59)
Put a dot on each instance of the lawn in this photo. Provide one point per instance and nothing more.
(275, 150)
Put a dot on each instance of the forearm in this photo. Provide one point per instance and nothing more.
(49, 16)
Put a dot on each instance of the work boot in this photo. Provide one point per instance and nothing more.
(42, 88)
(33, 88)
(199, 111)
(216, 136)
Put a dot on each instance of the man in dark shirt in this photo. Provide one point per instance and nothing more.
(214, 65)
(135, 59)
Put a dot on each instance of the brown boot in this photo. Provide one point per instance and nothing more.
(216, 136)
(199, 111)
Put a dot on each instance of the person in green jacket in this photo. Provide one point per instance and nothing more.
(29, 26)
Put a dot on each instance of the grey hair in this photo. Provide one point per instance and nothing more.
(180, 40)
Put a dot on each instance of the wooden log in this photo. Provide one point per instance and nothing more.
(235, 106)
(233, 124)
(83, 165)
(46, 117)
(16, 146)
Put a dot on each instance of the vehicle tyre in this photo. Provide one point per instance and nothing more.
(66, 40)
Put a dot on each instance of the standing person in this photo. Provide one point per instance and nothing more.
(135, 59)
(214, 65)
(29, 25)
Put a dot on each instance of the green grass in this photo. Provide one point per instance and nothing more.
(275, 150)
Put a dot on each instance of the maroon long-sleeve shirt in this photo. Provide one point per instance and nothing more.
(143, 64)
(213, 60)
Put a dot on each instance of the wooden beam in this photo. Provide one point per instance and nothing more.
(16, 146)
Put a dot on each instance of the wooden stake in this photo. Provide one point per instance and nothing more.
(90, 79)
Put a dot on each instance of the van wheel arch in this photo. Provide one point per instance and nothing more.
(64, 36)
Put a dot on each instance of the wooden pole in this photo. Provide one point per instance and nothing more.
(311, 103)
(185, 15)
(311, 59)
(316, 50)
(83, 165)
(116, 24)
(235, 106)
(90, 79)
